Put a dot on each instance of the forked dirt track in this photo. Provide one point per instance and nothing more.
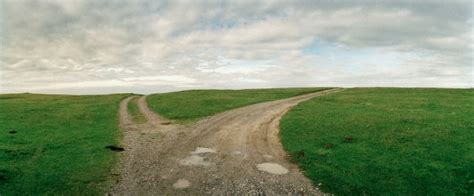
(233, 152)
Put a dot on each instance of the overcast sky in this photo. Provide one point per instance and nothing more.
(99, 46)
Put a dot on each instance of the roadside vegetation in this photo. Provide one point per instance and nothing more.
(380, 141)
(55, 145)
(192, 105)
(134, 111)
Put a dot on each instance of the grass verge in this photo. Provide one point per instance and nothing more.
(190, 106)
(53, 144)
(134, 111)
(385, 141)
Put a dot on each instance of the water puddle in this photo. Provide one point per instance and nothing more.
(181, 184)
(194, 160)
(272, 168)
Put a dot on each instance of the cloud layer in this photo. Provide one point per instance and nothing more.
(81, 46)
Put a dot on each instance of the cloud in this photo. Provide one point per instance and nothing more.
(148, 46)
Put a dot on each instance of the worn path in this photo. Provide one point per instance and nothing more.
(233, 152)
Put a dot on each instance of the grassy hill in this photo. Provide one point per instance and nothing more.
(358, 141)
(189, 106)
(385, 141)
(52, 144)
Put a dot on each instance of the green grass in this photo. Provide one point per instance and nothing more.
(189, 106)
(134, 111)
(405, 141)
(58, 147)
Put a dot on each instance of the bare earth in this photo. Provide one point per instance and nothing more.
(233, 152)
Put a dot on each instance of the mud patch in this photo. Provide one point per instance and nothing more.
(272, 168)
(348, 138)
(181, 184)
(202, 150)
(115, 148)
(194, 160)
(327, 146)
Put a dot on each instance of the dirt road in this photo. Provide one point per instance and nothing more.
(233, 152)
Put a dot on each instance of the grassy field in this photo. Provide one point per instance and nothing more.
(385, 141)
(134, 111)
(53, 144)
(189, 106)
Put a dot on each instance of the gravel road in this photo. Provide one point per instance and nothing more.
(233, 152)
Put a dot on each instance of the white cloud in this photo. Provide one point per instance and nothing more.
(172, 79)
(145, 46)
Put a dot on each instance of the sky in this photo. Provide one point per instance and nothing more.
(147, 46)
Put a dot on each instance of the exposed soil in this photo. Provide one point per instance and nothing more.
(233, 152)
(115, 148)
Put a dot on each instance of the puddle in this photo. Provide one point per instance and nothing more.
(181, 184)
(194, 160)
(115, 148)
(202, 150)
(272, 168)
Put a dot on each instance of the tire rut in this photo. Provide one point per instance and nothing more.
(233, 152)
